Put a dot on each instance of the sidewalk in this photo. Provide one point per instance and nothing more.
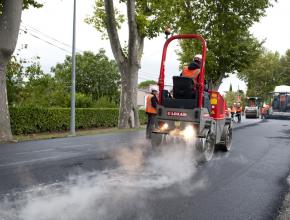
(64, 134)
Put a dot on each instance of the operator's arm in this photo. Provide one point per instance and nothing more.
(154, 101)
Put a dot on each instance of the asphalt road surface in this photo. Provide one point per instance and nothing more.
(111, 176)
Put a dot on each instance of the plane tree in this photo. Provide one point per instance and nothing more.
(225, 25)
(284, 69)
(10, 17)
(263, 74)
(145, 19)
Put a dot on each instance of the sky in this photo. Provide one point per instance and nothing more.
(47, 33)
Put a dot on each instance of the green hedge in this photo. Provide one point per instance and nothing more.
(33, 120)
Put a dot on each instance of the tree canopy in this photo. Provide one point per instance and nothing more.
(144, 20)
(284, 68)
(26, 4)
(262, 74)
(29, 85)
(146, 83)
(267, 71)
(97, 76)
(232, 97)
(225, 25)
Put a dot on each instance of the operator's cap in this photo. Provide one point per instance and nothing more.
(154, 90)
(197, 57)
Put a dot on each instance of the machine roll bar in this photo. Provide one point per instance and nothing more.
(202, 68)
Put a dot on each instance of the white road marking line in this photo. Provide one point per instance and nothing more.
(36, 151)
(79, 145)
(27, 161)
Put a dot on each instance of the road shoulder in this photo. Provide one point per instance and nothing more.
(284, 213)
(63, 134)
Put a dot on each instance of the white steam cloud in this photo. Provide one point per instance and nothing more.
(122, 193)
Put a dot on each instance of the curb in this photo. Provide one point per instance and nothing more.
(249, 125)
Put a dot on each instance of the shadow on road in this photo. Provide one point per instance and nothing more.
(279, 137)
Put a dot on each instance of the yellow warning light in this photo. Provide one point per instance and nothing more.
(213, 101)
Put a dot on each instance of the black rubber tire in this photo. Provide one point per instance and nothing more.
(156, 140)
(226, 139)
(209, 147)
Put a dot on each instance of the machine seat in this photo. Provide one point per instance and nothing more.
(183, 88)
(185, 95)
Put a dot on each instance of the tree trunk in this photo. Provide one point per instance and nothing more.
(9, 29)
(125, 100)
(129, 114)
(128, 65)
(216, 84)
(134, 101)
(5, 129)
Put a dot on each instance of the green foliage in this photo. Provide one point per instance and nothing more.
(83, 101)
(284, 68)
(33, 3)
(105, 102)
(30, 86)
(14, 81)
(263, 74)
(225, 25)
(41, 92)
(97, 76)
(99, 16)
(26, 4)
(146, 83)
(231, 97)
(142, 117)
(152, 16)
(266, 72)
(33, 120)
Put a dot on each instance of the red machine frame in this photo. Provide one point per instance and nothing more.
(202, 68)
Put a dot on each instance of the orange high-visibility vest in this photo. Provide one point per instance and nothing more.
(239, 109)
(193, 74)
(233, 109)
(228, 111)
(265, 109)
(149, 107)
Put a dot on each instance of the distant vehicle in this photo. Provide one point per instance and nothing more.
(280, 105)
(253, 107)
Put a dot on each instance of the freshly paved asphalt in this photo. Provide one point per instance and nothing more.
(248, 182)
